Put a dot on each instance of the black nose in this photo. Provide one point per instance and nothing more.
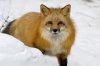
(55, 30)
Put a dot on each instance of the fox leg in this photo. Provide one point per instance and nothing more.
(62, 60)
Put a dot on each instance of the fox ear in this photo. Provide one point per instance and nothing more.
(66, 10)
(45, 10)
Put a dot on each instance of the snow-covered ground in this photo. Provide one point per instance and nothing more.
(14, 53)
(86, 49)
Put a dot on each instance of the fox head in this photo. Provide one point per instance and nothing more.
(55, 21)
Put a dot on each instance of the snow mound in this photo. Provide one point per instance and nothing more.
(14, 53)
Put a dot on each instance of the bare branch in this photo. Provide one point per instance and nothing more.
(5, 19)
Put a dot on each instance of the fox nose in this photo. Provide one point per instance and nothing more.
(55, 30)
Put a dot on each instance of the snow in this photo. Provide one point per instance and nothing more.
(14, 53)
(86, 49)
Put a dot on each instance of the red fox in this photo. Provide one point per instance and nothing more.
(52, 31)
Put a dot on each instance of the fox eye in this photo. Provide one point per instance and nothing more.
(49, 22)
(61, 23)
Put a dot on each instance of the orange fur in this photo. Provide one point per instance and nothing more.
(29, 27)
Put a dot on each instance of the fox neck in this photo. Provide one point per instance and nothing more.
(56, 42)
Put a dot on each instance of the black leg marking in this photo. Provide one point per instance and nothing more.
(62, 62)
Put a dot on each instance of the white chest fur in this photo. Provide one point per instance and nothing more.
(56, 46)
(56, 42)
